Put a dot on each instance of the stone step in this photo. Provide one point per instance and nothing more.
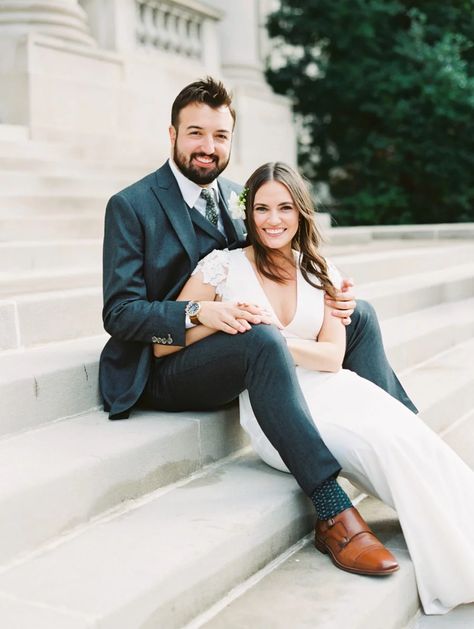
(381, 246)
(13, 133)
(104, 152)
(64, 315)
(55, 381)
(443, 386)
(65, 473)
(39, 165)
(401, 295)
(167, 557)
(434, 232)
(461, 617)
(77, 256)
(369, 266)
(298, 592)
(107, 462)
(364, 264)
(36, 281)
(31, 374)
(22, 146)
(73, 313)
(28, 205)
(460, 437)
(22, 257)
(101, 184)
(85, 226)
(417, 336)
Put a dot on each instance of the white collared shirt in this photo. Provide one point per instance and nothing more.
(191, 193)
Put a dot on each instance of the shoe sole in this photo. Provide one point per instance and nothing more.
(321, 546)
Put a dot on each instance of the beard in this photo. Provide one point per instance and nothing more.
(197, 174)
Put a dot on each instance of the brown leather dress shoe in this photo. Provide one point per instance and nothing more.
(352, 546)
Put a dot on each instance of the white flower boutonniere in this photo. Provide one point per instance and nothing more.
(237, 204)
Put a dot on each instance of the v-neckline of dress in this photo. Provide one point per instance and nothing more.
(269, 303)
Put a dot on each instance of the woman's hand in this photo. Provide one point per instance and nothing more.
(230, 317)
(344, 304)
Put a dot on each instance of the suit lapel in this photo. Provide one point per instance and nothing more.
(169, 196)
(235, 226)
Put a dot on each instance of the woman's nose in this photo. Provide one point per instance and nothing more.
(274, 218)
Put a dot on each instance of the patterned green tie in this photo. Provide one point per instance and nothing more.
(211, 208)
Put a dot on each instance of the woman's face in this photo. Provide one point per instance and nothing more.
(275, 216)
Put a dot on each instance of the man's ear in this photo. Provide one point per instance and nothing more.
(172, 132)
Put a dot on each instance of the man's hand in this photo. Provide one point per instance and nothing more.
(232, 318)
(345, 303)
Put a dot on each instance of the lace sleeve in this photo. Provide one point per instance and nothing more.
(214, 268)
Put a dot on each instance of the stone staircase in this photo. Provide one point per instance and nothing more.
(168, 520)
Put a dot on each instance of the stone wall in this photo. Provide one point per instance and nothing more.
(103, 73)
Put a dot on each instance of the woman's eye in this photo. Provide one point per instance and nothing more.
(260, 209)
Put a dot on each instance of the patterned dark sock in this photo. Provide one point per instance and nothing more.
(329, 499)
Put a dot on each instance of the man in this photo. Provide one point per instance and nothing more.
(156, 230)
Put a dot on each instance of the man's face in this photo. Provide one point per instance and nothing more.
(201, 144)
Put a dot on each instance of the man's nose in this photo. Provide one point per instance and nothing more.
(207, 144)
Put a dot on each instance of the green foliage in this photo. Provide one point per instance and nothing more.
(384, 90)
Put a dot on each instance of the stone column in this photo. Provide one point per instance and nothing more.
(63, 19)
(240, 38)
(265, 129)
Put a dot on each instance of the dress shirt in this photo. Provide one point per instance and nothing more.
(191, 193)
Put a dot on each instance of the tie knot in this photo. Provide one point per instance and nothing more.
(205, 193)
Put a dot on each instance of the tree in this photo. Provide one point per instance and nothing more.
(384, 91)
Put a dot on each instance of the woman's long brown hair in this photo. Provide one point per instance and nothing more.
(306, 240)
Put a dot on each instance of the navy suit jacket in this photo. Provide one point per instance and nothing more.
(152, 243)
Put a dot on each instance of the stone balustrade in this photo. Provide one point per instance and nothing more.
(170, 26)
(183, 28)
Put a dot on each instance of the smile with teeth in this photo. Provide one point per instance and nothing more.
(277, 231)
(204, 159)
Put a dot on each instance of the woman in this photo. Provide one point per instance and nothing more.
(382, 447)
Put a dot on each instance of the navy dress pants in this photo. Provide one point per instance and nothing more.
(213, 372)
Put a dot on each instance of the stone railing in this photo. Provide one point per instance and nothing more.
(172, 26)
(184, 28)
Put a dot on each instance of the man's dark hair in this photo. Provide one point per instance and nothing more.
(207, 91)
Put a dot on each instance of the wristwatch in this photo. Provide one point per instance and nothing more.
(192, 310)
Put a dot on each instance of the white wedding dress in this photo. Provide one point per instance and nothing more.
(383, 447)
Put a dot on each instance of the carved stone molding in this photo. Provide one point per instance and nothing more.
(63, 19)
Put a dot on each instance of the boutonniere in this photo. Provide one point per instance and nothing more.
(237, 204)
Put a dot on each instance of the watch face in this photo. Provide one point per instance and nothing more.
(193, 308)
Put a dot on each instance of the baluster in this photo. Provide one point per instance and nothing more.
(148, 24)
(195, 37)
(174, 28)
(139, 23)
